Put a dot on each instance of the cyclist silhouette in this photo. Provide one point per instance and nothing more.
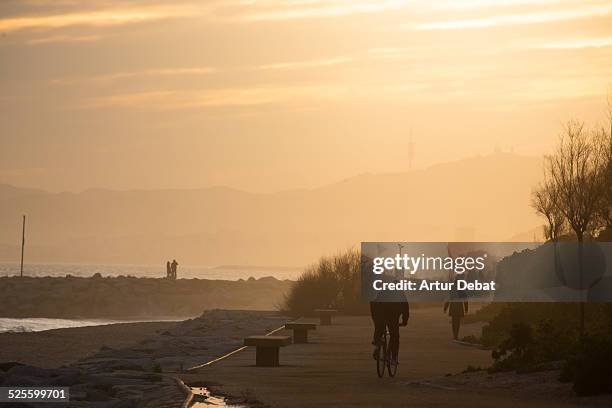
(386, 311)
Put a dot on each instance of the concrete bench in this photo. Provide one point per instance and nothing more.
(300, 331)
(266, 349)
(325, 315)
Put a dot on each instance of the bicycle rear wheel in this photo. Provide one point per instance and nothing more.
(381, 358)
(392, 368)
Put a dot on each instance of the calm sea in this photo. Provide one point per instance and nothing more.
(148, 271)
(40, 324)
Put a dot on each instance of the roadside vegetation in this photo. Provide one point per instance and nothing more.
(527, 337)
(331, 283)
(575, 200)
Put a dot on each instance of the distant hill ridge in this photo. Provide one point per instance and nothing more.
(483, 198)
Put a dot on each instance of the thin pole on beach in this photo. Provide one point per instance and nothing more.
(22, 244)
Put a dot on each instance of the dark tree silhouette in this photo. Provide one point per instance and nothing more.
(544, 200)
(575, 171)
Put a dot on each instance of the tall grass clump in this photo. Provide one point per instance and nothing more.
(332, 282)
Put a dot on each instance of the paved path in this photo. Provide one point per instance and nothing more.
(337, 369)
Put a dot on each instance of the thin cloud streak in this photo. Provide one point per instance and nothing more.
(579, 43)
(175, 100)
(476, 4)
(292, 65)
(515, 19)
(334, 9)
(156, 72)
(306, 64)
(64, 39)
(115, 76)
(95, 18)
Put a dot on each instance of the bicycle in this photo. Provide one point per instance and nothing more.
(386, 361)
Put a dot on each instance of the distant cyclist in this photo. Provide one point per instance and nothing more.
(386, 311)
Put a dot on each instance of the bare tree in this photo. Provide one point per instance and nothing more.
(603, 149)
(607, 181)
(609, 113)
(544, 200)
(575, 170)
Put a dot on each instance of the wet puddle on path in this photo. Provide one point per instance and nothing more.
(203, 398)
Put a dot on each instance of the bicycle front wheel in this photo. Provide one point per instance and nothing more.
(392, 367)
(381, 358)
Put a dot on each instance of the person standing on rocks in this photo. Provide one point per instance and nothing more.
(173, 268)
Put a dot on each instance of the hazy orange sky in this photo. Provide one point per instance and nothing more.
(276, 94)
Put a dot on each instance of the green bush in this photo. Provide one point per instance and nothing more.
(333, 282)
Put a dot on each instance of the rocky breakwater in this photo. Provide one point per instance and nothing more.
(133, 298)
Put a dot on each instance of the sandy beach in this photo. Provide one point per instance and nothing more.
(54, 348)
(126, 365)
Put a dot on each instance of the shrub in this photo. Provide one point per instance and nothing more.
(472, 369)
(563, 317)
(333, 282)
(471, 339)
(590, 369)
(537, 336)
(516, 351)
(485, 313)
